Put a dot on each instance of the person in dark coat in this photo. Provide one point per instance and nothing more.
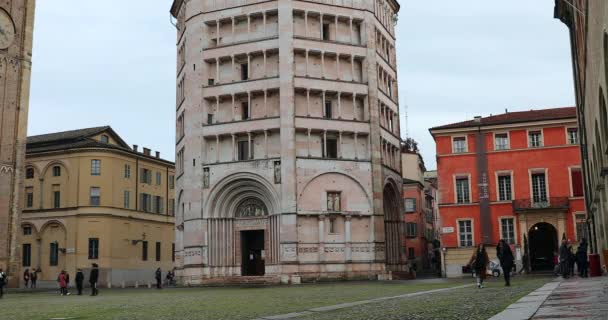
(571, 259)
(34, 278)
(159, 277)
(479, 262)
(26, 277)
(505, 256)
(79, 281)
(564, 255)
(93, 277)
(582, 259)
(2, 282)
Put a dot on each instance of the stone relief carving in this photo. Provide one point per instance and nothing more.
(277, 172)
(251, 208)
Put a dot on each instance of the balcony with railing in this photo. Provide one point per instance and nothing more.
(555, 203)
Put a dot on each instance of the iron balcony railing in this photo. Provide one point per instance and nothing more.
(559, 203)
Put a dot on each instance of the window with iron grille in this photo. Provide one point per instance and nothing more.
(502, 141)
(26, 255)
(95, 196)
(29, 173)
(507, 226)
(95, 167)
(56, 171)
(93, 248)
(504, 188)
(410, 205)
(539, 188)
(127, 171)
(465, 231)
(127, 199)
(535, 139)
(56, 199)
(462, 190)
(581, 227)
(572, 135)
(459, 145)
(411, 229)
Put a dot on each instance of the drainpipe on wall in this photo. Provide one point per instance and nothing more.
(482, 182)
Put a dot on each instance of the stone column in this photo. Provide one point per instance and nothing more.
(352, 39)
(336, 36)
(323, 64)
(217, 109)
(265, 143)
(339, 105)
(266, 103)
(337, 66)
(234, 75)
(356, 146)
(265, 72)
(249, 26)
(264, 17)
(250, 156)
(354, 106)
(217, 149)
(324, 143)
(306, 23)
(308, 102)
(340, 144)
(249, 66)
(233, 35)
(217, 32)
(323, 104)
(307, 62)
(321, 25)
(249, 105)
(217, 70)
(308, 143)
(233, 108)
(347, 237)
(233, 147)
(322, 237)
(352, 67)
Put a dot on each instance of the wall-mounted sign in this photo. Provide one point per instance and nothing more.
(445, 230)
(70, 250)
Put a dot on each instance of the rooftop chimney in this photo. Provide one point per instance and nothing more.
(157, 154)
(147, 151)
(135, 147)
(477, 119)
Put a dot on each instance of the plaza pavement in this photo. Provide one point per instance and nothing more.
(575, 298)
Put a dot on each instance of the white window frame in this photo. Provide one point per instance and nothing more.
(542, 137)
(515, 234)
(466, 144)
(578, 135)
(539, 170)
(508, 140)
(458, 176)
(498, 174)
(472, 232)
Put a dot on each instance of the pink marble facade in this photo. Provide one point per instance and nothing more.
(293, 106)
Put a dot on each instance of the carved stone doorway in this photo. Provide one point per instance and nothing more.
(252, 252)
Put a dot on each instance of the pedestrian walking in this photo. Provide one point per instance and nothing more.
(159, 276)
(479, 262)
(582, 260)
(505, 256)
(79, 281)
(3, 280)
(63, 284)
(571, 259)
(34, 278)
(26, 277)
(93, 277)
(564, 254)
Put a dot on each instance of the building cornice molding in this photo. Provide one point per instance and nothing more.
(486, 128)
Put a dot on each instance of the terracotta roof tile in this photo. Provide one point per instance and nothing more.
(516, 117)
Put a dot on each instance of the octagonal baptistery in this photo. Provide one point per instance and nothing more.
(288, 148)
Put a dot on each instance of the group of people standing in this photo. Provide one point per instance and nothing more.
(568, 258)
(64, 281)
(30, 278)
(480, 261)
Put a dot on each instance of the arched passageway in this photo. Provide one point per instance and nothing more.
(543, 246)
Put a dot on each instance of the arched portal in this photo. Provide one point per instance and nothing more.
(392, 224)
(543, 246)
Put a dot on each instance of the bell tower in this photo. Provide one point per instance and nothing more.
(16, 35)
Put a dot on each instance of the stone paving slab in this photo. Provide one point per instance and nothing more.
(356, 303)
(575, 298)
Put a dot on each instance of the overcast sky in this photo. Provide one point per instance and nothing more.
(113, 62)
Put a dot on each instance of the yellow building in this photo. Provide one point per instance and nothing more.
(90, 198)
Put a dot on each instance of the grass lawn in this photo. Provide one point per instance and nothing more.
(462, 304)
(203, 303)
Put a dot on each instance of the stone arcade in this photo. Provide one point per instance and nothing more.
(288, 148)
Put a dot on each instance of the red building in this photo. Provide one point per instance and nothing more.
(511, 176)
